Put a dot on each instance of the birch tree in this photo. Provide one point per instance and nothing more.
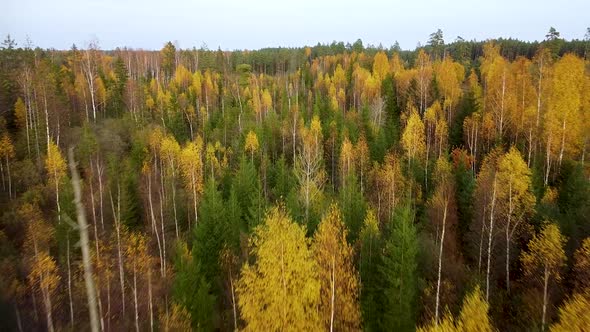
(544, 260)
(339, 285)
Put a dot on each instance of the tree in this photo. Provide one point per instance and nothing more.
(436, 41)
(370, 247)
(346, 161)
(486, 210)
(251, 144)
(552, 34)
(563, 126)
(389, 184)
(498, 87)
(515, 197)
(208, 235)
(43, 274)
(544, 260)
(353, 207)
(191, 290)
(449, 76)
(84, 243)
(280, 290)
(474, 313)
(309, 164)
(413, 139)
(90, 69)
(423, 78)
(6, 153)
(177, 319)
(44, 277)
(399, 275)
(20, 114)
(380, 66)
(191, 166)
(582, 267)
(339, 285)
(56, 169)
(573, 315)
(362, 156)
(472, 318)
(140, 264)
(440, 203)
(170, 152)
(168, 54)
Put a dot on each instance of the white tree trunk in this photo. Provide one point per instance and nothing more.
(440, 253)
(490, 237)
(83, 228)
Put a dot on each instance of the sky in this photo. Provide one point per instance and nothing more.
(254, 24)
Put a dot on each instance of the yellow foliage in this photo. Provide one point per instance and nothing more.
(178, 319)
(515, 187)
(380, 66)
(169, 149)
(280, 291)
(191, 166)
(413, 139)
(563, 119)
(472, 318)
(6, 147)
(44, 275)
(55, 164)
(251, 144)
(266, 100)
(338, 278)
(474, 314)
(582, 267)
(20, 113)
(574, 315)
(545, 251)
(346, 159)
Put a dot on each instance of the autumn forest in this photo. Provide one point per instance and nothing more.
(338, 187)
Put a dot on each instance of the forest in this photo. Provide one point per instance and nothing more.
(336, 187)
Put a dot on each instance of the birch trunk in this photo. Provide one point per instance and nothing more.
(440, 253)
(490, 237)
(83, 228)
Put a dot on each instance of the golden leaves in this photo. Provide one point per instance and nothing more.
(339, 291)
(545, 251)
(251, 144)
(413, 140)
(280, 290)
(55, 164)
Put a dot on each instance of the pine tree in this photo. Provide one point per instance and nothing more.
(191, 289)
(208, 234)
(399, 275)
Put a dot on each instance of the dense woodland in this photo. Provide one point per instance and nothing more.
(336, 187)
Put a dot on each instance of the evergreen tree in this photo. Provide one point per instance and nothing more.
(191, 289)
(247, 186)
(399, 275)
(353, 207)
(208, 239)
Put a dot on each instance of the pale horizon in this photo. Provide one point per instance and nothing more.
(238, 25)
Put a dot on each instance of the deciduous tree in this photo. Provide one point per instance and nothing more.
(339, 285)
(544, 260)
(280, 290)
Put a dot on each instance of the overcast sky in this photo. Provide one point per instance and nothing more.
(255, 24)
